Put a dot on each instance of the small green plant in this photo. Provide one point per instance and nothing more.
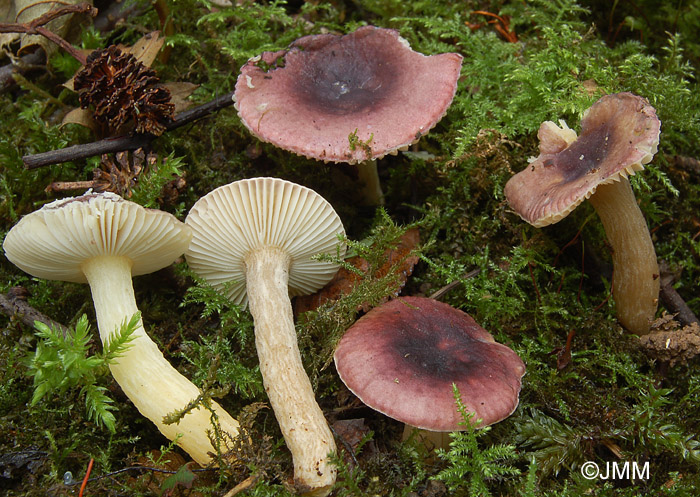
(471, 467)
(656, 433)
(152, 181)
(554, 445)
(61, 363)
(356, 143)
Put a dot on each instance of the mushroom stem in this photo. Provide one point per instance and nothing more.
(431, 440)
(300, 418)
(636, 271)
(369, 178)
(154, 386)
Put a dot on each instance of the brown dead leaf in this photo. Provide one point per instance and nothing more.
(398, 260)
(26, 11)
(351, 431)
(160, 483)
(146, 49)
(179, 93)
(79, 116)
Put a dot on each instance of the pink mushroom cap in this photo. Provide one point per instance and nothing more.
(310, 98)
(403, 357)
(619, 134)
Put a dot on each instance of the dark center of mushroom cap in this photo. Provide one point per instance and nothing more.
(586, 154)
(347, 74)
(447, 356)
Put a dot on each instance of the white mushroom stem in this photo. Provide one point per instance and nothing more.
(369, 177)
(154, 386)
(636, 271)
(300, 418)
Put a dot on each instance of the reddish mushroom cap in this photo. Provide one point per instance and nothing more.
(619, 133)
(311, 97)
(402, 358)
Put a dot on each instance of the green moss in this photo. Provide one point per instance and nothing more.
(531, 289)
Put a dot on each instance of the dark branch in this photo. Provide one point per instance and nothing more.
(36, 27)
(14, 304)
(126, 142)
(672, 301)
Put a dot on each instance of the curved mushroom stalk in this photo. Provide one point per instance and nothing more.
(619, 134)
(636, 281)
(104, 240)
(154, 386)
(301, 420)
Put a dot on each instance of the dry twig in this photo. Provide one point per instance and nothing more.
(14, 304)
(36, 27)
(125, 142)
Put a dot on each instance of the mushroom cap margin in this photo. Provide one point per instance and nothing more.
(53, 242)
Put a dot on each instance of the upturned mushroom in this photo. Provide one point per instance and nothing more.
(255, 239)
(619, 134)
(403, 357)
(352, 98)
(103, 240)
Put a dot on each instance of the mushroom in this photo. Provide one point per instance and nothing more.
(255, 240)
(403, 358)
(103, 240)
(352, 98)
(619, 134)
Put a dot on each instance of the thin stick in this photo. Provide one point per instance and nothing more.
(442, 291)
(125, 142)
(671, 300)
(63, 186)
(36, 27)
(14, 304)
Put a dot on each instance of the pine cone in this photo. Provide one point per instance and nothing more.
(119, 173)
(123, 90)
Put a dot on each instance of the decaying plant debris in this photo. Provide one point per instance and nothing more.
(592, 393)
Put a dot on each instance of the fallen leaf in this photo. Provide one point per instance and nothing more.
(169, 484)
(26, 11)
(183, 477)
(146, 48)
(179, 92)
(79, 116)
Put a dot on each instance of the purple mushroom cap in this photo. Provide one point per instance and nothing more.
(619, 133)
(403, 357)
(310, 98)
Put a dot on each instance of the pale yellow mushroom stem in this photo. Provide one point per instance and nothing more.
(636, 271)
(154, 386)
